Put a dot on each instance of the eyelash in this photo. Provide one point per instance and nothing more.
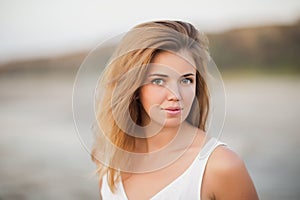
(155, 81)
(189, 79)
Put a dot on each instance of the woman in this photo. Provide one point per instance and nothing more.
(152, 118)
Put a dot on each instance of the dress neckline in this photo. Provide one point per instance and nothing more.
(211, 141)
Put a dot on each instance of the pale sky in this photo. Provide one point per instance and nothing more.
(33, 28)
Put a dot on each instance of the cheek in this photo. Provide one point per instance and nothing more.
(188, 94)
(150, 96)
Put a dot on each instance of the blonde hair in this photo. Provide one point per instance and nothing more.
(120, 94)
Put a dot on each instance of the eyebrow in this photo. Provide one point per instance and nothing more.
(164, 75)
(190, 74)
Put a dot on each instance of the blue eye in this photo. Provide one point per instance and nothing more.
(186, 81)
(158, 81)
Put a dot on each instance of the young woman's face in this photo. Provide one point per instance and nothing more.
(169, 89)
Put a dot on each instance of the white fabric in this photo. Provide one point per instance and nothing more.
(186, 186)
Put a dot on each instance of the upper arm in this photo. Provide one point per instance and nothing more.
(227, 178)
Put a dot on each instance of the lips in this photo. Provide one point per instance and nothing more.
(173, 110)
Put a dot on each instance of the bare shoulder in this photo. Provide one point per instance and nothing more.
(226, 176)
(223, 160)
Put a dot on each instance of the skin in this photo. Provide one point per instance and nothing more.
(167, 96)
(225, 178)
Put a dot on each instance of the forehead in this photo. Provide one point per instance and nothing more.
(180, 63)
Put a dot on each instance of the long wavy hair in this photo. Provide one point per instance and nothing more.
(118, 112)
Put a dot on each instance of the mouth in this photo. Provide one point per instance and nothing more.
(173, 110)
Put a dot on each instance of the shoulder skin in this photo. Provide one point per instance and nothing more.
(226, 177)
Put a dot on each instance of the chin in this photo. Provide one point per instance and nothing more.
(173, 123)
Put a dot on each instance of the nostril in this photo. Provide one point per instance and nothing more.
(174, 97)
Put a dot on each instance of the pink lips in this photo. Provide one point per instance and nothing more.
(173, 110)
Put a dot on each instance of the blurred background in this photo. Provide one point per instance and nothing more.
(255, 45)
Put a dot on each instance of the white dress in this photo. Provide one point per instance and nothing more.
(186, 186)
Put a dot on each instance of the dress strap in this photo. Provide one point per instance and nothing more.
(209, 147)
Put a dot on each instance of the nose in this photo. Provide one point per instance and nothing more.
(174, 93)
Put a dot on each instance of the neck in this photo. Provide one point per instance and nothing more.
(159, 140)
